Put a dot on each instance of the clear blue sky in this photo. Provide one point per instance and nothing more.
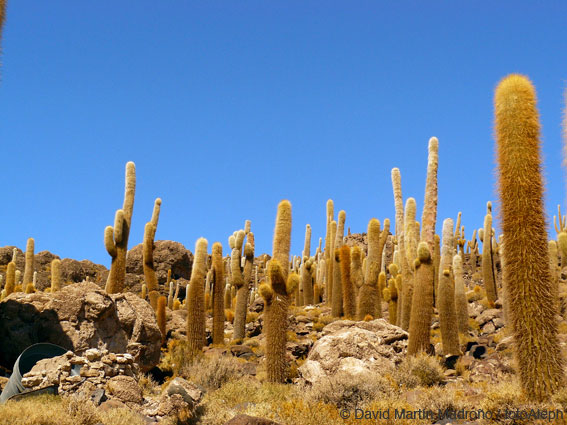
(228, 107)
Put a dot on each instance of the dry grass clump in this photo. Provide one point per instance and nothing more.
(149, 386)
(251, 316)
(54, 410)
(419, 370)
(347, 390)
(211, 372)
(177, 355)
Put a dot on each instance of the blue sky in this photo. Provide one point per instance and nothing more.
(228, 107)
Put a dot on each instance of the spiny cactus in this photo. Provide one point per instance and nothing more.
(148, 255)
(424, 280)
(392, 299)
(160, 314)
(349, 301)
(56, 275)
(144, 292)
(10, 278)
(116, 238)
(337, 302)
(410, 245)
(447, 313)
(461, 302)
(218, 293)
(376, 241)
(196, 299)
(243, 292)
(28, 269)
(356, 269)
(525, 261)
(331, 264)
(276, 295)
(488, 261)
(305, 274)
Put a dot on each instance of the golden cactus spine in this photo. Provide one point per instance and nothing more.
(28, 269)
(56, 275)
(337, 301)
(391, 296)
(116, 238)
(148, 255)
(196, 300)
(276, 295)
(328, 239)
(525, 258)
(349, 301)
(356, 269)
(376, 242)
(160, 314)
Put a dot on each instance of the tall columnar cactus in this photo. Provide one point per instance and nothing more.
(525, 258)
(356, 269)
(196, 299)
(561, 228)
(242, 282)
(29, 267)
(337, 303)
(276, 295)
(410, 246)
(56, 275)
(461, 302)
(116, 238)
(473, 251)
(446, 305)
(391, 296)
(488, 277)
(400, 237)
(553, 268)
(349, 300)
(148, 255)
(218, 294)
(10, 278)
(328, 239)
(160, 314)
(331, 264)
(306, 281)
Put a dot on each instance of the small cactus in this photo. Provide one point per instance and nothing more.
(56, 275)
(28, 270)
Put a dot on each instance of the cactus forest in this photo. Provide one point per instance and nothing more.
(411, 320)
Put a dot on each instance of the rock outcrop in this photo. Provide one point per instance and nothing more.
(356, 347)
(79, 317)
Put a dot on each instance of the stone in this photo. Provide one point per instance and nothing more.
(487, 315)
(505, 343)
(125, 388)
(359, 347)
(190, 393)
(257, 305)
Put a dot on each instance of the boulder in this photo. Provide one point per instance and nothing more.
(190, 393)
(356, 347)
(78, 271)
(125, 389)
(79, 317)
(167, 255)
(242, 419)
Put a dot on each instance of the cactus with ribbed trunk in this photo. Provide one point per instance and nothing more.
(10, 278)
(116, 238)
(410, 247)
(391, 296)
(376, 240)
(218, 294)
(305, 274)
(28, 269)
(327, 253)
(473, 251)
(424, 280)
(400, 237)
(276, 295)
(196, 299)
(148, 255)
(160, 314)
(461, 302)
(489, 279)
(529, 287)
(170, 296)
(349, 300)
(56, 275)
(331, 264)
(243, 292)
(337, 302)
(356, 269)
(561, 228)
(446, 305)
